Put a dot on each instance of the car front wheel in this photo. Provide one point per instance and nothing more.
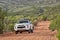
(30, 31)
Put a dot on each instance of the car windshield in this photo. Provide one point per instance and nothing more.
(23, 21)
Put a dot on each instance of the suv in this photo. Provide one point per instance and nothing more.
(23, 25)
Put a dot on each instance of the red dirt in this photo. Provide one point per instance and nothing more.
(41, 32)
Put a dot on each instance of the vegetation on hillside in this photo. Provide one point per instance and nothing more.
(55, 23)
(2, 15)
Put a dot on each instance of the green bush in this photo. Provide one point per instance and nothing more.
(11, 27)
(55, 25)
(52, 25)
(43, 17)
(3, 13)
(58, 35)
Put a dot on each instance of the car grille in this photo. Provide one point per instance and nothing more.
(21, 26)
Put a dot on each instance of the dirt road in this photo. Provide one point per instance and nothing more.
(41, 32)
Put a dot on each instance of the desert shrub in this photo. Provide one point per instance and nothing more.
(1, 27)
(55, 25)
(43, 17)
(11, 27)
(58, 35)
(3, 13)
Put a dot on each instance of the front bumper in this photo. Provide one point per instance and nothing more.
(20, 29)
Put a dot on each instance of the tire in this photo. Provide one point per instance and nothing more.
(30, 31)
(16, 32)
(20, 32)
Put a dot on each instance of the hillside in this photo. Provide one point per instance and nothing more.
(8, 4)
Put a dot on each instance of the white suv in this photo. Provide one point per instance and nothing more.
(23, 25)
